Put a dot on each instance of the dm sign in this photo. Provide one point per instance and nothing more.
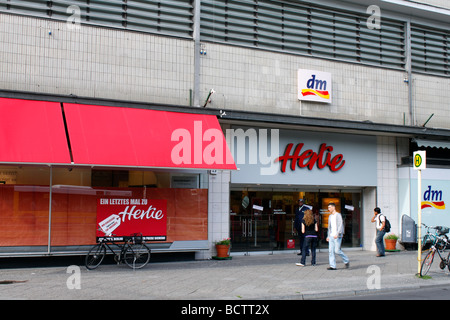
(314, 86)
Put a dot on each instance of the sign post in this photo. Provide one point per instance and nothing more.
(419, 164)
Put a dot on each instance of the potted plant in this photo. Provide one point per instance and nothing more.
(390, 241)
(223, 248)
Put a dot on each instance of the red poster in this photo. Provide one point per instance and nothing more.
(291, 244)
(119, 218)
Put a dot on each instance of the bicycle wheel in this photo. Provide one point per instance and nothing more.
(137, 255)
(427, 262)
(448, 261)
(95, 256)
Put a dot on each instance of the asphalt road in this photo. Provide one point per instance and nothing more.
(432, 293)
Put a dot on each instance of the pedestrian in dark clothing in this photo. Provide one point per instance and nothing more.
(310, 228)
(299, 213)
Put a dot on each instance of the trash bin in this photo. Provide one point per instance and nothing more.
(409, 230)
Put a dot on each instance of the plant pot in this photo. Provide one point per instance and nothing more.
(223, 250)
(390, 244)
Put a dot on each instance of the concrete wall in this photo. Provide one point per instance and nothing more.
(436, 3)
(218, 209)
(93, 62)
(256, 80)
(368, 232)
(390, 150)
(431, 95)
(108, 63)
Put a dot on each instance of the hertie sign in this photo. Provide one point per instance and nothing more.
(119, 218)
(310, 159)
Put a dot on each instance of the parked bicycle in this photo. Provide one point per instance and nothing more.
(438, 247)
(133, 252)
(430, 238)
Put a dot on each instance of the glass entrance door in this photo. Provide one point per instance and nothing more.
(261, 221)
(250, 225)
(262, 232)
(264, 220)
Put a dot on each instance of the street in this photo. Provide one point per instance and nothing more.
(433, 293)
(261, 277)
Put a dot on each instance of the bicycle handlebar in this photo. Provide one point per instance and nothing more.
(106, 235)
(432, 227)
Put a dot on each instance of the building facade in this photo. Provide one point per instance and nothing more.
(350, 86)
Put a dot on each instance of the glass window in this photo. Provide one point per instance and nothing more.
(24, 205)
(27, 206)
(264, 220)
(75, 194)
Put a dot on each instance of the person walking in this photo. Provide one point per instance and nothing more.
(299, 213)
(310, 228)
(335, 234)
(380, 222)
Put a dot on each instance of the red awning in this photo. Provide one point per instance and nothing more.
(32, 132)
(129, 137)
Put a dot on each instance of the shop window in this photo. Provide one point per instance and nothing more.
(109, 178)
(264, 220)
(132, 178)
(24, 205)
(28, 201)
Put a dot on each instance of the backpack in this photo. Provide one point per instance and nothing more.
(387, 224)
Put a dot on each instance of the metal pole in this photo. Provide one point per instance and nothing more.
(412, 116)
(197, 60)
(419, 214)
(50, 212)
(428, 120)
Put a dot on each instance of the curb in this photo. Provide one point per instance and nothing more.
(368, 292)
(350, 293)
(354, 293)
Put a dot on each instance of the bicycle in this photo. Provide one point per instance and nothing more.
(431, 238)
(133, 252)
(439, 247)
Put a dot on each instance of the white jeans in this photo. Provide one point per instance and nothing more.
(334, 246)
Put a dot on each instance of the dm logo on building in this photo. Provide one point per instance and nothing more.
(433, 199)
(314, 86)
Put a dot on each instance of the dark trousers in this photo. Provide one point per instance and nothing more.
(309, 242)
(301, 238)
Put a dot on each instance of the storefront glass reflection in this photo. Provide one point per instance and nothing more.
(264, 220)
(45, 209)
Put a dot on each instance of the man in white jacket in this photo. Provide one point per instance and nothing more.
(335, 234)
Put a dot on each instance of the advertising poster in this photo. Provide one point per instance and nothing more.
(119, 218)
(434, 196)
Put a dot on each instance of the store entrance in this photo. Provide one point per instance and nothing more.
(264, 220)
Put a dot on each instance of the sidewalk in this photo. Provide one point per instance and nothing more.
(270, 277)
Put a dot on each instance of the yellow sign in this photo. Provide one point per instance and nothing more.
(419, 160)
